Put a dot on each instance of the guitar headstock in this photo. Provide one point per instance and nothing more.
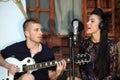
(82, 59)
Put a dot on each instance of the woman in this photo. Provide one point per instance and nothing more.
(103, 52)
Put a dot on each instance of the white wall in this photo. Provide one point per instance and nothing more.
(11, 21)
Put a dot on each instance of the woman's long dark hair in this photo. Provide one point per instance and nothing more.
(102, 60)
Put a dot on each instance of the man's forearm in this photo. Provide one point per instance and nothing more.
(3, 62)
(53, 75)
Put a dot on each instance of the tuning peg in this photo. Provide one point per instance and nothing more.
(83, 63)
(81, 55)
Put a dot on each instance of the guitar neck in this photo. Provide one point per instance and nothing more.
(27, 68)
(79, 59)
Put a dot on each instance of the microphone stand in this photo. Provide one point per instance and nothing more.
(71, 46)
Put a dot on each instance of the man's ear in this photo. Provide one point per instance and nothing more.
(26, 33)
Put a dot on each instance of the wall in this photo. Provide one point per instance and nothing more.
(11, 20)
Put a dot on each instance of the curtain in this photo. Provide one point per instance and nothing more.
(65, 12)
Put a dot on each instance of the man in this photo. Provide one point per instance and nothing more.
(34, 48)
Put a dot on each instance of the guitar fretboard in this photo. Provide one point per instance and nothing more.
(79, 59)
(42, 65)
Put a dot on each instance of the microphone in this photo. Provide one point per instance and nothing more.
(77, 28)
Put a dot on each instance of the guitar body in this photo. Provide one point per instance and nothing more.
(28, 65)
(4, 73)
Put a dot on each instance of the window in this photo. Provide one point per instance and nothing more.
(55, 15)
